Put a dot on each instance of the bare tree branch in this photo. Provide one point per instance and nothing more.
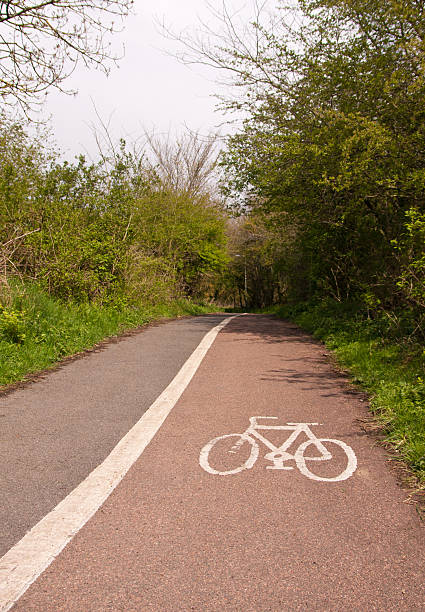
(186, 163)
(42, 42)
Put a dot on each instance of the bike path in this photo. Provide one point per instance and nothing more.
(174, 537)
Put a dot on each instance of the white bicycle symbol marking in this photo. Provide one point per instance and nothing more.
(279, 454)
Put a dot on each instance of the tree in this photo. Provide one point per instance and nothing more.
(334, 137)
(186, 163)
(42, 41)
(255, 276)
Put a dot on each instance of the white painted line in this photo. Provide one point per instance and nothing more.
(25, 561)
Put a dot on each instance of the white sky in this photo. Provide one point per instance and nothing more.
(149, 88)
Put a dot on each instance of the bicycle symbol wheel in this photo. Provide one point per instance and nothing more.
(238, 448)
(300, 460)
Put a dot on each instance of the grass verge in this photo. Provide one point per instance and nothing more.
(390, 367)
(37, 331)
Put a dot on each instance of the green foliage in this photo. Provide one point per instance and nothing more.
(107, 231)
(258, 254)
(411, 251)
(12, 325)
(186, 231)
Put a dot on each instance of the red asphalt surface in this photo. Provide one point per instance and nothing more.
(174, 537)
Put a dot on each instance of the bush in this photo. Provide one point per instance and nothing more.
(12, 325)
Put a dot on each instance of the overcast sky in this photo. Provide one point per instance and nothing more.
(149, 88)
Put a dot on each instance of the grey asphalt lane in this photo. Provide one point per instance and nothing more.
(54, 432)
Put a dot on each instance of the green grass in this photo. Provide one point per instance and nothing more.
(37, 331)
(388, 365)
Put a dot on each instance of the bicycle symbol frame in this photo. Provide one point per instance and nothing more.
(279, 454)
